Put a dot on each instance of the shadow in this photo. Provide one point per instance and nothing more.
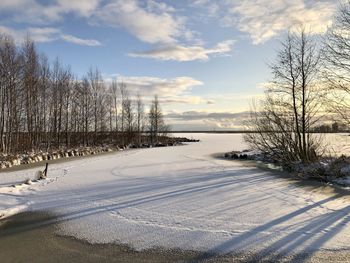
(321, 226)
(246, 186)
(136, 194)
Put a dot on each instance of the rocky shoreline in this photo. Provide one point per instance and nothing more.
(334, 170)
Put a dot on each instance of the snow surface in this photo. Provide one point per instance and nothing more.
(182, 197)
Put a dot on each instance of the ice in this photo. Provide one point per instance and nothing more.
(183, 197)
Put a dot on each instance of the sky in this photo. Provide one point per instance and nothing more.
(205, 59)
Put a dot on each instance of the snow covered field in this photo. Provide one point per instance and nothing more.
(182, 197)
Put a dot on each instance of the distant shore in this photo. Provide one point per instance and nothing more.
(244, 131)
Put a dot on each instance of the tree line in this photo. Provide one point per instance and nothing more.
(310, 80)
(44, 106)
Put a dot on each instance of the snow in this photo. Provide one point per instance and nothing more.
(182, 197)
(337, 143)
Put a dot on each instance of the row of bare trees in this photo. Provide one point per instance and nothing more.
(45, 106)
(310, 80)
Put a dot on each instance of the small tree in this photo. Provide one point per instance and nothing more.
(156, 121)
(284, 118)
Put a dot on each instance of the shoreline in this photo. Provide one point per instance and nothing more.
(22, 167)
(308, 183)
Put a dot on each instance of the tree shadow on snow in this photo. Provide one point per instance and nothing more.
(114, 195)
(298, 245)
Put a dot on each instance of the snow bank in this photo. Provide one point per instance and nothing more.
(8, 160)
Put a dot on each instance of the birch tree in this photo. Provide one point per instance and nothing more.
(292, 105)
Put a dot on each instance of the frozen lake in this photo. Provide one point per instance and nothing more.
(182, 197)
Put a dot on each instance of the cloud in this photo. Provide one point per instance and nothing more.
(7, 5)
(165, 88)
(265, 85)
(42, 34)
(80, 41)
(211, 7)
(183, 53)
(170, 91)
(152, 23)
(186, 100)
(204, 115)
(265, 19)
(31, 11)
(46, 34)
(82, 8)
(203, 120)
(157, 22)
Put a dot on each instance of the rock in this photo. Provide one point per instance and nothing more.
(234, 156)
(345, 171)
(243, 156)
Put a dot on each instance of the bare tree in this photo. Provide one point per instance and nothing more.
(30, 81)
(44, 95)
(97, 88)
(10, 112)
(128, 116)
(43, 106)
(124, 97)
(114, 96)
(156, 121)
(337, 62)
(140, 117)
(283, 120)
(86, 109)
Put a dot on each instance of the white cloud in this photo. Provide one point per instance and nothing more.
(83, 8)
(7, 5)
(186, 53)
(186, 100)
(80, 41)
(31, 11)
(42, 34)
(46, 34)
(265, 85)
(264, 19)
(207, 120)
(170, 91)
(151, 23)
(211, 7)
(165, 88)
(157, 22)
